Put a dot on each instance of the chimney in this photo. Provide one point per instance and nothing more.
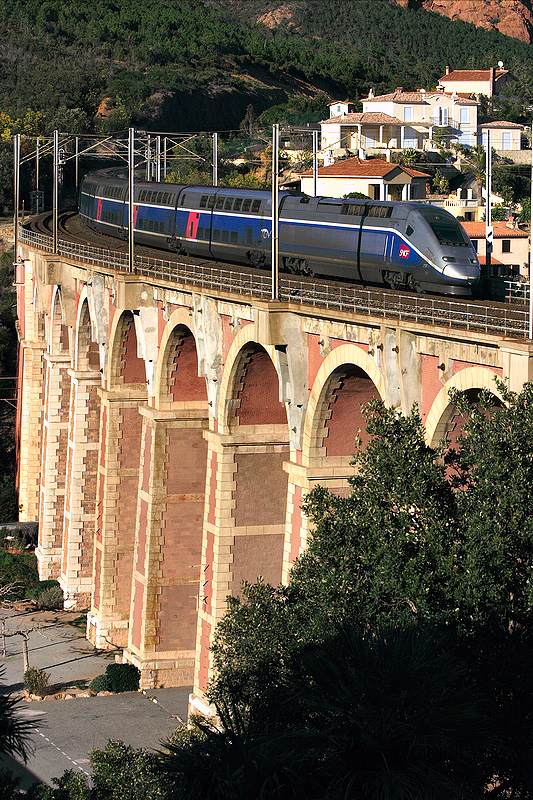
(399, 88)
(371, 94)
(447, 70)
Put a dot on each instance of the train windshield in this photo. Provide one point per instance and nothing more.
(447, 231)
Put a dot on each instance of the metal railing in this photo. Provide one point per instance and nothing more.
(496, 319)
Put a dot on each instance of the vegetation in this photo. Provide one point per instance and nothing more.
(99, 684)
(15, 731)
(36, 681)
(8, 370)
(122, 677)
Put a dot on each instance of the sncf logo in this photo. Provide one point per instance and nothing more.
(404, 252)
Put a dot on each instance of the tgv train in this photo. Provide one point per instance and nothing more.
(402, 245)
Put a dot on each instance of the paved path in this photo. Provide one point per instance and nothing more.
(67, 730)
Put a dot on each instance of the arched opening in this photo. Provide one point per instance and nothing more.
(54, 445)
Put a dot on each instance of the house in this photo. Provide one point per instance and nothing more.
(466, 82)
(511, 245)
(421, 112)
(374, 177)
(503, 135)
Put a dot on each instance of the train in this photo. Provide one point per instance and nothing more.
(402, 245)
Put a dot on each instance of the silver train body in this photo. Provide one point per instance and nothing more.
(402, 245)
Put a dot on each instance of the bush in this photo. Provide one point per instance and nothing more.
(123, 677)
(99, 684)
(51, 599)
(36, 681)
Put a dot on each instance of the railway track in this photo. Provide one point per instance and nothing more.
(91, 247)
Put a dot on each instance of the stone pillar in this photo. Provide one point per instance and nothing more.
(244, 527)
(118, 478)
(80, 491)
(53, 460)
(30, 404)
(168, 545)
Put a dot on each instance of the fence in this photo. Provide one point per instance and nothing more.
(497, 318)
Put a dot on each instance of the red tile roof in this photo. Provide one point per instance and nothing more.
(362, 118)
(359, 168)
(493, 261)
(500, 124)
(476, 230)
(472, 75)
(417, 97)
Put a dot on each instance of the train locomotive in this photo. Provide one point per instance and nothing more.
(402, 245)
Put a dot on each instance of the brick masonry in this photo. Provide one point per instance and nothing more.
(169, 435)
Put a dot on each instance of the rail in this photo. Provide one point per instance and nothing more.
(497, 319)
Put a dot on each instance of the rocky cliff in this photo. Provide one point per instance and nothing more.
(510, 17)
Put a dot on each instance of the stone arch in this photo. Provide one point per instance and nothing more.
(470, 379)
(87, 358)
(59, 336)
(177, 379)
(125, 366)
(347, 378)
(250, 385)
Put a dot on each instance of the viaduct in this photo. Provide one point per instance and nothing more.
(170, 423)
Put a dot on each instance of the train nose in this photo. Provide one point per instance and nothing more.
(468, 274)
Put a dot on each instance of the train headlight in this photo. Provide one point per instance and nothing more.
(450, 259)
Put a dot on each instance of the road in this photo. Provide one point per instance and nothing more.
(68, 729)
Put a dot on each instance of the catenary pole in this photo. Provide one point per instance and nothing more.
(275, 212)
(16, 191)
(55, 193)
(77, 151)
(215, 159)
(131, 156)
(37, 154)
(315, 163)
(488, 216)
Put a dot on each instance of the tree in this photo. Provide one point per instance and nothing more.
(15, 732)
(249, 122)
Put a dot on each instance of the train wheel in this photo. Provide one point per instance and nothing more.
(413, 285)
(394, 280)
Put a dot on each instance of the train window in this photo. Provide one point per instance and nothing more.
(256, 204)
(380, 211)
(203, 201)
(142, 195)
(224, 236)
(200, 233)
(354, 209)
(165, 198)
(234, 237)
(246, 205)
(159, 197)
(150, 224)
(228, 205)
(211, 201)
(183, 199)
(220, 202)
(409, 231)
(446, 228)
(216, 235)
(237, 204)
(171, 199)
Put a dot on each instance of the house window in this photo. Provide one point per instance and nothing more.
(474, 244)
(463, 115)
(506, 140)
(410, 141)
(440, 116)
(408, 114)
(506, 245)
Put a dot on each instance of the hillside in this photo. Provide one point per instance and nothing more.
(198, 64)
(510, 17)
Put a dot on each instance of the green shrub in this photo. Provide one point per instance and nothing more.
(123, 677)
(99, 684)
(36, 681)
(51, 599)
